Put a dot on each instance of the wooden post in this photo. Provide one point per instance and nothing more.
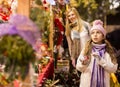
(23, 7)
(51, 30)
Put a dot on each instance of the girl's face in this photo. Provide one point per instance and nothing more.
(97, 36)
(72, 17)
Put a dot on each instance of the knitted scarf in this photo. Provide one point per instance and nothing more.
(97, 77)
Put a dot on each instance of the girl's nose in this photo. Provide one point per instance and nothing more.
(95, 34)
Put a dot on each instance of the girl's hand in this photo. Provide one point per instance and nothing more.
(96, 55)
(85, 60)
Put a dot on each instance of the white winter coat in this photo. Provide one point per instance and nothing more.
(86, 70)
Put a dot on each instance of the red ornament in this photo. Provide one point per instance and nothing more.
(44, 2)
(5, 10)
(4, 17)
(16, 83)
(46, 8)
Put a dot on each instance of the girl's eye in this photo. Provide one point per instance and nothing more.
(92, 32)
(98, 32)
(70, 15)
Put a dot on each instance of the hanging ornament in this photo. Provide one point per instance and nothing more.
(5, 10)
(45, 4)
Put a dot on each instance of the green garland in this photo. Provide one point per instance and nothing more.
(15, 54)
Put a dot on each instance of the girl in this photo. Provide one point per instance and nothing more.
(97, 59)
(77, 33)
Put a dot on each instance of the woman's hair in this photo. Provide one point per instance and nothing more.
(79, 20)
(108, 48)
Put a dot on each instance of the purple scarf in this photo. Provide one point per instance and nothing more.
(97, 78)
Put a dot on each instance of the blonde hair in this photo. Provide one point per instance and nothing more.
(109, 49)
(79, 21)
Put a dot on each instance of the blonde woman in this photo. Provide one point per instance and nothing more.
(77, 33)
(97, 59)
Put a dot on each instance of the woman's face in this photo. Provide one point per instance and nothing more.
(97, 36)
(72, 17)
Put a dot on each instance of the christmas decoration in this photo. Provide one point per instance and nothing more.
(5, 10)
(19, 36)
(46, 72)
(16, 55)
(45, 4)
(21, 25)
(42, 19)
(3, 78)
(42, 49)
(59, 31)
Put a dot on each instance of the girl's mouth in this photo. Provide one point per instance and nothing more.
(95, 38)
